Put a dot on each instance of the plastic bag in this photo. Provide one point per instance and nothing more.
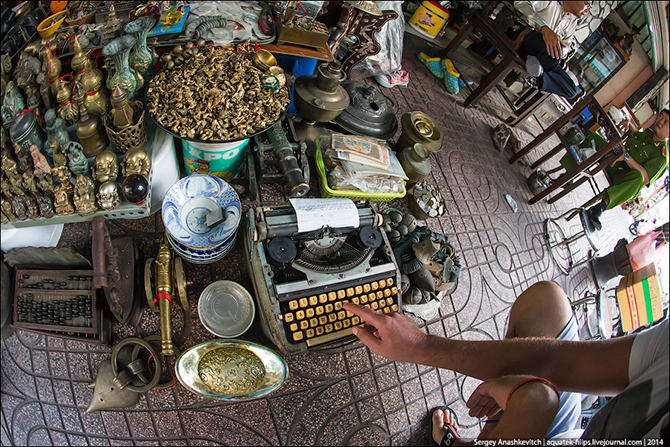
(390, 39)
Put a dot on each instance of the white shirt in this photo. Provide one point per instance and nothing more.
(551, 14)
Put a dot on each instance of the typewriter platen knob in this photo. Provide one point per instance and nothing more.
(370, 237)
(282, 250)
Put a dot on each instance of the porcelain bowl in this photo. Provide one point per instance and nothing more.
(187, 204)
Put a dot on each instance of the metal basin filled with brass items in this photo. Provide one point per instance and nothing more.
(231, 370)
(417, 127)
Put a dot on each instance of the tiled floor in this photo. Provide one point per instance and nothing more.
(348, 395)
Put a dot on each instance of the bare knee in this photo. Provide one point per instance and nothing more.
(542, 310)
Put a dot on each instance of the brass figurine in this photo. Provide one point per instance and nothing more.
(62, 174)
(6, 206)
(78, 162)
(23, 156)
(105, 167)
(62, 201)
(39, 161)
(136, 161)
(45, 90)
(56, 129)
(69, 109)
(84, 196)
(32, 210)
(46, 207)
(108, 196)
(12, 104)
(18, 208)
(29, 182)
(11, 171)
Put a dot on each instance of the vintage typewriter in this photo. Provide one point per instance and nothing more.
(301, 279)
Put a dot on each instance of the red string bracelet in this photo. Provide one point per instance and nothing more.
(532, 379)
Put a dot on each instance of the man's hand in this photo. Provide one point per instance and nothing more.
(393, 336)
(554, 43)
(491, 396)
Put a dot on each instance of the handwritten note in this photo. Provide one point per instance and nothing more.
(314, 214)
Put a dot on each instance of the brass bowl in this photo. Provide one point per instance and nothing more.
(263, 60)
(276, 369)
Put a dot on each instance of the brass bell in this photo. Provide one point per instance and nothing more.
(425, 249)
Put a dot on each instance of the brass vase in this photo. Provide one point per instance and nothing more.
(118, 50)
(97, 98)
(141, 58)
(78, 60)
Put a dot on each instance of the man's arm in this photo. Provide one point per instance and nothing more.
(530, 10)
(595, 367)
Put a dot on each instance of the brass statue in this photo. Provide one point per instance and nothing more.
(56, 129)
(62, 201)
(62, 173)
(163, 289)
(3, 218)
(6, 206)
(6, 188)
(11, 171)
(78, 162)
(29, 182)
(45, 183)
(108, 196)
(45, 90)
(12, 104)
(46, 207)
(18, 208)
(23, 156)
(136, 161)
(32, 210)
(84, 196)
(5, 69)
(105, 167)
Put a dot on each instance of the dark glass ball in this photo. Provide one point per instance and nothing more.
(135, 189)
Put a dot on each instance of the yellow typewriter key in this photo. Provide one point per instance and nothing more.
(349, 314)
(374, 305)
(319, 330)
(355, 320)
(300, 314)
(358, 290)
(329, 308)
(389, 301)
(328, 328)
(313, 322)
(394, 290)
(381, 303)
(389, 282)
(387, 310)
(288, 317)
(364, 299)
(372, 297)
(380, 294)
(346, 323)
(293, 327)
(332, 296)
(374, 285)
(341, 294)
(297, 336)
(309, 312)
(387, 292)
(302, 302)
(309, 333)
(319, 310)
(338, 325)
(332, 317)
(366, 288)
(323, 298)
(382, 283)
(323, 319)
(304, 324)
(341, 315)
(350, 292)
(313, 300)
(293, 305)
(338, 305)
(394, 308)
(355, 300)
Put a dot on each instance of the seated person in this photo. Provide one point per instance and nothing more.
(644, 160)
(542, 342)
(554, 26)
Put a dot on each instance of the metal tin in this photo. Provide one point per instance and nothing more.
(26, 131)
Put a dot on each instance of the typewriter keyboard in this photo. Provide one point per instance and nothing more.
(319, 318)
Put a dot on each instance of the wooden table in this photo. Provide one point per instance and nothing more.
(587, 168)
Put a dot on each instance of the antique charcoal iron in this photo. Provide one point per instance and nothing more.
(370, 113)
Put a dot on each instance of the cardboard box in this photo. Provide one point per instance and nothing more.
(639, 297)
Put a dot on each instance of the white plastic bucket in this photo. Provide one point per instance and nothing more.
(222, 160)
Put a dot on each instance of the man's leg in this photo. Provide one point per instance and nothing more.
(543, 310)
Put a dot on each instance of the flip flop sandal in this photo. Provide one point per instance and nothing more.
(433, 65)
(450, 76)
(451, 435)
